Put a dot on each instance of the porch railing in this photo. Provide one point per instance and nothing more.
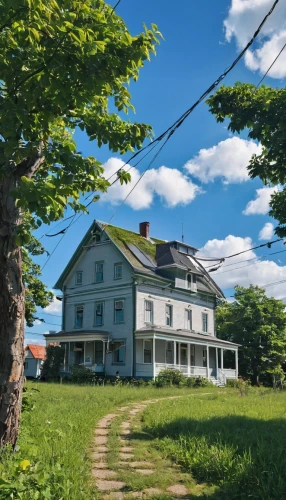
(199, 371)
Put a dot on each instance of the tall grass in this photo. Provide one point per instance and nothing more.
(236, 443)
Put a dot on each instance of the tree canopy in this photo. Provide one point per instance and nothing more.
(262, 112)
(63, 65)
(258, 323)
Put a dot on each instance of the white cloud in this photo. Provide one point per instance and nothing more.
(261, 203)
(227, 160)
(173, 187)
(33, 339)
(244, 18)
(267, 231)
(240, 272)
(37, 322)
(55, 307)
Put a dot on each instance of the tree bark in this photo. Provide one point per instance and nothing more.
(12, 314)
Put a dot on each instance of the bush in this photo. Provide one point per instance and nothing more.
(82, 375)
(170, 377)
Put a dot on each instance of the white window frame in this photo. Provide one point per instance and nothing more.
(75, 318)
(188, 322)
(99, 263)
(189, 281)
(151, 351)
(117, 309)
(167, 315)
(78, 283)
(205, 322)
(118, 265)
(102, 313)
(148, 310)
(122, 346)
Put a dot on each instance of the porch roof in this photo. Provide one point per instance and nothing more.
(185, 334)
(78, 335)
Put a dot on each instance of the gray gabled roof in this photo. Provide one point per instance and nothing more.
(126, 240)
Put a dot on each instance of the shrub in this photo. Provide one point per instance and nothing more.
(170, 377)
(82, 375)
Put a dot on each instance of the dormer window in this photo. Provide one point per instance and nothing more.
(191, 282)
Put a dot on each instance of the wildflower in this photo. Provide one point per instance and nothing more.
(24, 464)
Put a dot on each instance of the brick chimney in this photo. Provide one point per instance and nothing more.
(144, 228)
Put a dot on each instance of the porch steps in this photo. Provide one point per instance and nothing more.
(217, 382)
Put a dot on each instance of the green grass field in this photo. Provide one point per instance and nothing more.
(228, 446)
(234, 447)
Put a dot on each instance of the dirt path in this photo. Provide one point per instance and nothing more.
(118, 473)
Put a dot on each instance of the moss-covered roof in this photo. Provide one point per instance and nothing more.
(123, 237)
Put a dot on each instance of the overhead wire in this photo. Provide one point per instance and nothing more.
(215, 259)
(170, 131)
(271, 65)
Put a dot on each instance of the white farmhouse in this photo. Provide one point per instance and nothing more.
(134, 305)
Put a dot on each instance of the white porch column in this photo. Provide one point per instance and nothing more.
(154, 366)
(216, 360)
(103, 352)
(189, 358)
(236, 362)
(69, 358)
(221, 353)
(175, 353)
(179, 351)
(84, 353)
(208, 362)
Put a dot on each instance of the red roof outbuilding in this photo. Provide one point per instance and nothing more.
(38, 351)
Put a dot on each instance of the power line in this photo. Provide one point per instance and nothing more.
(55, 315)
(170, 131)
(58, 243)
(272, 64)
(221, 259)
(182, 118)
(249, 260)
(115, 6)
(33, 333)
(131, 190)
(262, 286)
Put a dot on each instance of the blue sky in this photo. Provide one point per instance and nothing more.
(207, 191)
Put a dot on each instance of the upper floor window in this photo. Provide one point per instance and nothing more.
(119, 311)
(148, 313)
(188, 319)
(169, 315)
(118, 271)
(78, 316)
(205, 322)
(147, 351)
(189, 280)
(98, 272)
(118, 352)
(78, 277)
(98, 320)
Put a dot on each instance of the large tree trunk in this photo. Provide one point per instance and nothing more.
(12, 313)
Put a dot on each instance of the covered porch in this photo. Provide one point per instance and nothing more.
(193, 354)
(87, 350)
